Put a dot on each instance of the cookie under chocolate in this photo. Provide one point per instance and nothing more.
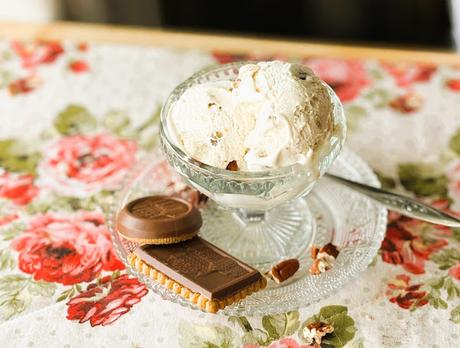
(198, 271)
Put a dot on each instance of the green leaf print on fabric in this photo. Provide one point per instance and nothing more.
(13, 298)
(281, 325)
(455, 315)
(18, 156)
(75, 119)
(41, 288)
(386, 182)
(454, 142)
(453, 291)
(69, 293)
(7, 260)
(53, 202)
(16, 293)
(147, 133)
(256, 337)
(446, 258)
(423, 179)
(203, 336)
(12, 231)
(336, 316)
(357, 343)
(437, 288)
(5, 78)
(117, 122)
(379, 98)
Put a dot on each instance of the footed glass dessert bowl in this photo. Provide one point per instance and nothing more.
(259, 217)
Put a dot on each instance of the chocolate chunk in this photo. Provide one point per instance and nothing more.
(158, 220)
(200, 266)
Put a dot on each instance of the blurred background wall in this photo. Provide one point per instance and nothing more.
(406, 23)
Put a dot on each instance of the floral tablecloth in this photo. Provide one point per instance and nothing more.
(76, 116)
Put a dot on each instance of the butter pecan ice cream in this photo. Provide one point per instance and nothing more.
(274, 114)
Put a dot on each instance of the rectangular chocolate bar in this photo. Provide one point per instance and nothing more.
(200, 266)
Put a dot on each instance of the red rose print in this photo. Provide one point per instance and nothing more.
(405, 242)
(66, 249)
(169, 182)
(78, 66)
(105, 302)
(6, 219)
(347, 77)
(224, 58)
(263, 57)
(33, 54)
(82, 165)
(453, 85)
(288, 342)
(407, 103)
(18, 188)
(405, 74)
(24, 85)
(454, 271)
(405, 295)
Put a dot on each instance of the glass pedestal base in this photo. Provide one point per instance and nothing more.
(260, 239)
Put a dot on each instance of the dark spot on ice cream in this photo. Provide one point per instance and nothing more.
(233, 166)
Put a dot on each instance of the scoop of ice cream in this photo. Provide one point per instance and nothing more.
(274, 114)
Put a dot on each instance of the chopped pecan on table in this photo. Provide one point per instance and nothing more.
(284, 270)
(323, 258)
(313, 333)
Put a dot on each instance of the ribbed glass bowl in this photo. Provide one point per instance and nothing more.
(348, 219)
(264, 219)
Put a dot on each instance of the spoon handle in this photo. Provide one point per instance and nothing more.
(401, 204)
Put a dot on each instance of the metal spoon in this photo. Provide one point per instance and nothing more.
(401, 204)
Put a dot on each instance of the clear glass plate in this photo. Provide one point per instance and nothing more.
(349, 220)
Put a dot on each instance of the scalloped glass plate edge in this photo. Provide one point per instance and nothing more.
(306, 289)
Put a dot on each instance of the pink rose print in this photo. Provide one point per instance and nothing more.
(18, 188)
(66, 249)
(347, 77)
(407, 103)
(169, 182)
(24, 85)
(6, 219)
(82, 165)
(405, 295)
(404, 245)
(406, 74)
(224, 58)
(288, 343)
(33, 54)
(105, 302)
